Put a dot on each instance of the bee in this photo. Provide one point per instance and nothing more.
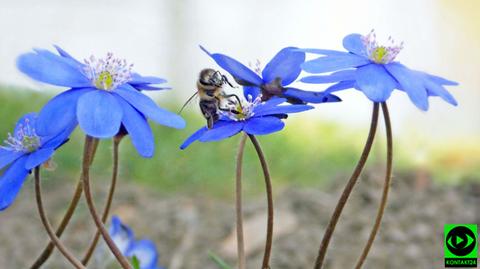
(212, 96)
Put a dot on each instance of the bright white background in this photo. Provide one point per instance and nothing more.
(162, 37)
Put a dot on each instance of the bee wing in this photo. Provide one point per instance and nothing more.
(297, 96)
(242, 74)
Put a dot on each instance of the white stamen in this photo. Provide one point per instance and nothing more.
(108, 73)
(381, 54)
(24, 140)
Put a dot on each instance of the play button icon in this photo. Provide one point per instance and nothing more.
(461, 241)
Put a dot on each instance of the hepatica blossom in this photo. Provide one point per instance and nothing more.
(274, 79)
(21, 152)
(145, 250)
(104, 96)
(372, 69)
(254, 117)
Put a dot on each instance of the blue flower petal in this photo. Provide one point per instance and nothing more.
(242, 74)
(149, 108)
(222, 130)
(146, 253)
(8, 156)
(138, 129)
(148, 87)
(285, 109)
(121, 234)
(438, 90)
(27, 119)
(139, 79)
(251, 90)
(342, 85)
(38, 157)
(411, 83)
(65, 54)
(99, 114)
(60, 112)
(334, 77)
(375, 82)
(323, 52)
(263, 125)
(47, 67)
(440, 80)
(270, 103)
(310, 96)
(334, 63)
(354, 44)
(60, 139)
(285, 65)
(11, 182)
(194, 137)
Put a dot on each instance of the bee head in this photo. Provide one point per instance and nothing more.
(210, 77)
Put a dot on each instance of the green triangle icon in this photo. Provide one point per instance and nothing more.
(458, 240)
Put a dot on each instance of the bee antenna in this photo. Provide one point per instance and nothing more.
(188, 101)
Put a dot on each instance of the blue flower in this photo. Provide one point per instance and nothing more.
(145, 250)
(255, 118)
(104, 97)
(23, 151)
(371, 68)
(275, 78)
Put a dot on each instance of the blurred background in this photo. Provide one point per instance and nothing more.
(437, 153)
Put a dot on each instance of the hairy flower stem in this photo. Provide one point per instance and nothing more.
(386, 188)
(348, 189)
(88, 150)
(63, 224)
(238, 204)
(268, 185)
(106, 210)
(38, 194)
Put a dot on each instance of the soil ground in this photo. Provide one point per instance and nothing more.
(186, 227)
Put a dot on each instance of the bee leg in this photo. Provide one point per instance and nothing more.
(209, 123)
(229, 110)
(235, 96)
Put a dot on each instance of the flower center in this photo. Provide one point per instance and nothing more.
(24, 140)
(380, 54)
(243, 111)
(108, 73)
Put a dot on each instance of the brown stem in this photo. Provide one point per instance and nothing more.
(63, 224)
(386, 188)
(106, 210)
(348, 189)
(238, 204)
(88, 150)
(268, 185)
(61, 228)
(38, 194)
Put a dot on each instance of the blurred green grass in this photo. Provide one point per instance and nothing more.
(307, 153)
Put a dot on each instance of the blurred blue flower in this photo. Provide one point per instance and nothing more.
(104, 97)
(275, 78)
(370, 68)
(145, 250)
(23, 151)
(255, 118)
